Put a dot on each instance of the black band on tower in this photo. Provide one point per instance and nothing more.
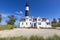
(26, 13)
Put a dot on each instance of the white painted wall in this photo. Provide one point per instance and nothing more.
(25, 25)
(28, 21)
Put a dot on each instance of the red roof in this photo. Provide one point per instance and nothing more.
(23, 19)
(44, 19)
(34, 19)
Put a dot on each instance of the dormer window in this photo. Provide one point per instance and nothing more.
(30, 19)
(38, 19)
(34, 19)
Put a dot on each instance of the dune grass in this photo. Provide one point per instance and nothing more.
(31, 38)
(7, 27)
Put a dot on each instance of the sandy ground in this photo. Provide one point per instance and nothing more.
(29, 32)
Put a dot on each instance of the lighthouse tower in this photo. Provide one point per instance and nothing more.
(27, 9)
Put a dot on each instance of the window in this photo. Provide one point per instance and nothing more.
(30, 23)
(48, 23)
(26, 23)
(39, 23)
(22, 23)
(30, 19)
(26, 18)
(38, 19)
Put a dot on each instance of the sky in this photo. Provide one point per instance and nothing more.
(44, 8)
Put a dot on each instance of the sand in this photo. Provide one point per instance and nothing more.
(29, 32)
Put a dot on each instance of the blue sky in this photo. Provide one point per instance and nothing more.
(45, 8)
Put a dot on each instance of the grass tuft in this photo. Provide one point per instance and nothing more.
(31, 38)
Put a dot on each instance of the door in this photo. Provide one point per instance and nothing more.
(35, 25)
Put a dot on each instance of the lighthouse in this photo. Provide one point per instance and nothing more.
(32, 22)
(27, 9)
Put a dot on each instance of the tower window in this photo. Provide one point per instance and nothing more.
(38, 19)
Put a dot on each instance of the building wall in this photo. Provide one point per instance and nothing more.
(25, 24)
(39, 23)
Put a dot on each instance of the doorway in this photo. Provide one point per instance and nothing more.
(35, 26)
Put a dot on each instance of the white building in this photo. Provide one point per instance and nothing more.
(32, 22)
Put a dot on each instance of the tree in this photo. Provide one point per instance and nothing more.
(0, 18)
(11, 20)
(54, 22)
(58, 22)
(58, 19)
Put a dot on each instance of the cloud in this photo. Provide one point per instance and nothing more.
(19, 12)
(4, 15)
(18, 16)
